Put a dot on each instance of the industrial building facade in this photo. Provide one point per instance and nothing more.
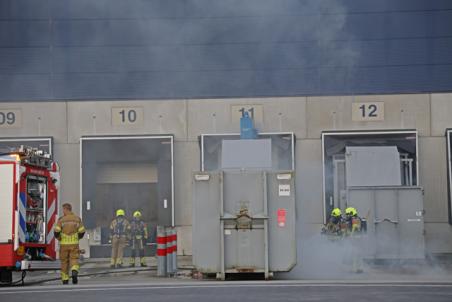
(185, 120)
(122, 92)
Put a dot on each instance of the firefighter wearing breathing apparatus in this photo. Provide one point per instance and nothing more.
(138, 237)
(119, 233)
(69, 230)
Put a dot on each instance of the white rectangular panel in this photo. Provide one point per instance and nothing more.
(6, 201)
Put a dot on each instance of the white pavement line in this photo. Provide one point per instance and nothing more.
(78, 289)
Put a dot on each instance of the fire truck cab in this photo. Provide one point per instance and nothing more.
(29, 185)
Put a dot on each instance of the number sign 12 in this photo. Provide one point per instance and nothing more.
(367, 112)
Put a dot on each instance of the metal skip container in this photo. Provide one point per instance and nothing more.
(244, 221)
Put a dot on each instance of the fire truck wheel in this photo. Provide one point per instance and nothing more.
(6, 276)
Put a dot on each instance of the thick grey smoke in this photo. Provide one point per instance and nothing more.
(324, 259)
(192, 48)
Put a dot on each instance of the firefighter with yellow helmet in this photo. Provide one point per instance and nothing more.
(334, 227)
(138, 237)
(353, 221)
(119, 233)
(69, 230)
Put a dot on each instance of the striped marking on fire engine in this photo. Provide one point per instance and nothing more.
(22, 215)
(50, 221)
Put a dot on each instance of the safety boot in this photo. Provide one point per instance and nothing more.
(74, 277)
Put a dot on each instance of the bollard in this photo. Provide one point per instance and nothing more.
(174, 250)
(161, 251)
(169, 255)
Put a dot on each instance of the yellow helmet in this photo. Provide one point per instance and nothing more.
(351, 211)
(120, 212)
(336, 212)
(137, 214)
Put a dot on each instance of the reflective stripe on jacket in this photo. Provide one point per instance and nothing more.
(69, 229)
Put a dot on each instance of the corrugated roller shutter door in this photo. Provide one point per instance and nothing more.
(126, 173)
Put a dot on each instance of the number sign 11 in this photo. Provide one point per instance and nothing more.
(368, 112)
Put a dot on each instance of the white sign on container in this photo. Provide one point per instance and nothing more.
(284, 190)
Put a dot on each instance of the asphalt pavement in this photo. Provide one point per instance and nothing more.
(199, 291)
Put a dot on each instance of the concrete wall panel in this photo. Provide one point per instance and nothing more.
(38, 119)
(441, 113)
(215, 116)
(184, 242)
(433, 177)
(95, 118)
(401, 112)
(309, 181)
(68, 158)
(186, 160)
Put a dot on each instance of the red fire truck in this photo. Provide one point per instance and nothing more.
(29, 185)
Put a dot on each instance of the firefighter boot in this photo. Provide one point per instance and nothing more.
(65, 282)
(74, 277)
(132, 262)
(143, 262)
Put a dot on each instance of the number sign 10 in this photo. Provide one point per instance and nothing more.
(126, 116)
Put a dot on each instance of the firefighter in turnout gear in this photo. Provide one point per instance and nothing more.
(139, 235)
(119, 233)
(335, 227)
(69, 230)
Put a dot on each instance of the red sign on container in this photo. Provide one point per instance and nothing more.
(281, 217)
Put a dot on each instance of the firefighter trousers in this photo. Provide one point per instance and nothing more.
(117, 249)
(137, 246)
(69, 255)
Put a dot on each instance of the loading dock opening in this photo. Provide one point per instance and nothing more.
(334, 145)
(130, 173)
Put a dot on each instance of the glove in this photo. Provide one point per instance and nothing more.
(57, 235)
